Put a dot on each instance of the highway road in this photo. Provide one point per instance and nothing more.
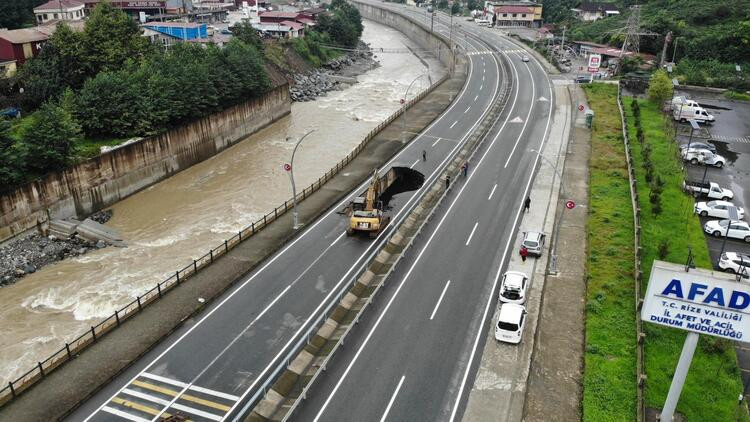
(209, 368)
(414, 358)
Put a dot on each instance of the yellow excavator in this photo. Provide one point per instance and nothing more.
(366, 213)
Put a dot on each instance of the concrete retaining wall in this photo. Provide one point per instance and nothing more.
(410, 28)
(100, 182)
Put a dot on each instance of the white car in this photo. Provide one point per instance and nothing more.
(733, 262)
(525, 59)
(534, 242)
(513, 287)
(718, 209)
(510, 323)
(737, 230)
(703, 156)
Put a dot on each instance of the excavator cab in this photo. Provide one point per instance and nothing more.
(366, 212)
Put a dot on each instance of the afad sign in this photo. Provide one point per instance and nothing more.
(595, 61)
(701, 301)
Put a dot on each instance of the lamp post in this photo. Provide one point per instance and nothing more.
(553, 259)
(290, 169)
(403, 101)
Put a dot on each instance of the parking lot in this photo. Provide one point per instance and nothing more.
(731, 135)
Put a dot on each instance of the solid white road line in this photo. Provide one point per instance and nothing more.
(472, 233)
(528, 115)
(124, 415)
(393, 398)
(502, 263)
(454, 124)
(163, 379)
(414, 264)
(440, 300)
(214, 393)
(492, 192)
(413, 164)
(436, 141)
(467, 109)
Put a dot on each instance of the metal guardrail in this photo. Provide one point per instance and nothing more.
(71, 349)
(638, 272)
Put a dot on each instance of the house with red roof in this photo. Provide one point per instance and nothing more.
(59, 10)
(515, 13)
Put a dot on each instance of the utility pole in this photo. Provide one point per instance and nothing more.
(667, 39)
(674, 51)
(562, 44)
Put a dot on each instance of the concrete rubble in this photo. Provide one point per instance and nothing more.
(65, 239)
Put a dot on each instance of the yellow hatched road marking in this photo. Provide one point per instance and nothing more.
(188, 397)
(142, 408)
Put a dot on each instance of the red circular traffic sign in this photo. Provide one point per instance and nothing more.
(570, 204)
(580, 107)
(287, 166)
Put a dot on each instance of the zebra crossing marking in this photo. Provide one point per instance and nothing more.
(724, 138)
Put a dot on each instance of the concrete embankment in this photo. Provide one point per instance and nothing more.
(101, 181)
(112, 354)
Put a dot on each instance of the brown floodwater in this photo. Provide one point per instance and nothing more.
(170, 223)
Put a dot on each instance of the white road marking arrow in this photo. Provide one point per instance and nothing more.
(518, 119)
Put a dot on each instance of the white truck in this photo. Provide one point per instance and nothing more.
(703, 156)
(708, 189)
(683, 102)
(699, 114)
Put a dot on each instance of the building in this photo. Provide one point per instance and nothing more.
(185, 31)
(136, 9)
(515, 13)
(59, 10)
(592, 10)
(275, 16)
(277, 30)
(19, 45)
(312, 12)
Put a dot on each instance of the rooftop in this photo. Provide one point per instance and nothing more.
(59, 4)
(278, 14)
(514, 9)
(174, 24)
(313, 11)
(22, 36)
(294, 25)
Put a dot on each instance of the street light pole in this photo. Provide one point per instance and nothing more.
(553, 259)
(295, 223)
(403, 116)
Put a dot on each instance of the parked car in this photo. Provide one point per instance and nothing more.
(718, 209)
(709, 189)
(703, 156)
(510, 323)
(735, 263)
(524, 59)
(582, 79)
(513, 287)
(737, 229)
(699, 114)
(534, 242)
(699, 145)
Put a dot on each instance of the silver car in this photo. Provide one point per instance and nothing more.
(534, 242)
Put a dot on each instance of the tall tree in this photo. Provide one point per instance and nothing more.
(110, 39)
(246, 33)
(660, 87)
(10, 171)
(48, 142)
(18, 13)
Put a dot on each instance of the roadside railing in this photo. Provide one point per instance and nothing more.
(638, 272)
(71, 349)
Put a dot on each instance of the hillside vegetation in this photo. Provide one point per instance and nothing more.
(711, 36)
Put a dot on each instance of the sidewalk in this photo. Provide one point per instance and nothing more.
(500, 386)
(65, 388)
(554, 392)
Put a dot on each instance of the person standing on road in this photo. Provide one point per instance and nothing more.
(527, 204)
(447, 182)
(424, 155)
(466, 168)
(524, 253)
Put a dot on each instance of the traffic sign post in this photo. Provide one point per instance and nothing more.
(581, 107)
(569, 204)
(287, 167)
(595, 60)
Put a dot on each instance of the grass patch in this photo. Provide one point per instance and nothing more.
(609, 392)
(310, 48)
(734, 95)
(713, 383)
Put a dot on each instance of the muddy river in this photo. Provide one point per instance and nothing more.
(170, 223)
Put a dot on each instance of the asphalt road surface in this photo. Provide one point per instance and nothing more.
(414, 358)
(209, 368)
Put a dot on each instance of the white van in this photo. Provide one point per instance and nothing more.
(482, 22)
(699, 114)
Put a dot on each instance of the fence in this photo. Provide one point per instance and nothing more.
(638, 272)
(96, 332)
